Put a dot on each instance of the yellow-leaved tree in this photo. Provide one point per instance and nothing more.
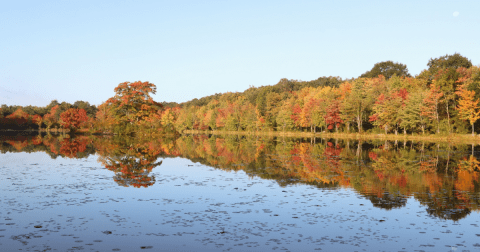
(467, 107)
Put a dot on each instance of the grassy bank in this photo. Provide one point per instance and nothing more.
(454, 138)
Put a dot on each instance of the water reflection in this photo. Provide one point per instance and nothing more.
(130, 160)
(442, 177)
(54, 146)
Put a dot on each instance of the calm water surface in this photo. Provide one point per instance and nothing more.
(236, 194)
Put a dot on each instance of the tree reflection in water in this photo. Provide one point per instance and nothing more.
(388, 201)
(74, 148)
(131, 160)
(442, 177)
(130, 171)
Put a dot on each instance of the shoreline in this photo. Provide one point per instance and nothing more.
(452, 138)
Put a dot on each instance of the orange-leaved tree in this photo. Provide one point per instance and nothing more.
(72, 118)
(19, 117)
(431, 105)
(132, 106)
(37, 119)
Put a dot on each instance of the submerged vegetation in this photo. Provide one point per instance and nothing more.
(441, 100)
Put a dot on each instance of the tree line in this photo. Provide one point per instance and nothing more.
(386, 99)
(54, 115)
(441, 99)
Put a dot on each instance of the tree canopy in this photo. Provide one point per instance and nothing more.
(448, 61)
(131, 107)
(443, 99)
(72, 118)
(387, 69)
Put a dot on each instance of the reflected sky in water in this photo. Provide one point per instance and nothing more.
(216, 194)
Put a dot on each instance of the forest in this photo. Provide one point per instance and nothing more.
(443, 99)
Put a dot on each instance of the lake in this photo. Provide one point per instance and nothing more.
(232, 193)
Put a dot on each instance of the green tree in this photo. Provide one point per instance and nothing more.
(448, 61)
(358, 102)
(387, 69)
(284, 117)
(272, 107)
(168, 118)
(447, 80)
(411, 114)
(90, 109)
(181, 122)
(50, 119)
(386, 110)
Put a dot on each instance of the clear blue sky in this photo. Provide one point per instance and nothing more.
(81, 50)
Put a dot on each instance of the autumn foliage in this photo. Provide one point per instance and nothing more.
(443, 99)
(131, 109)
(72, 118)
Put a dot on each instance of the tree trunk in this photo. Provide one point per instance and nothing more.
(359, 149)
(448, 160)
(448, 117)
(359, 123)
(436, 117)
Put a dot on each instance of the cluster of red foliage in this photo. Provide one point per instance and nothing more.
(72, 118)
(70, 148)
